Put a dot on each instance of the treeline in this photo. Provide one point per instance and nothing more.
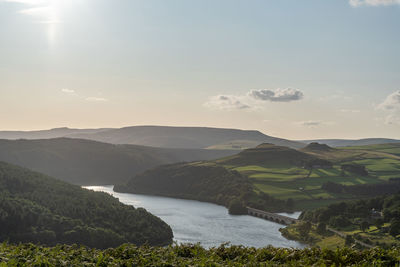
(193, 255)
(36, 208)
(355, 168)
(204, 182)
(375, 211)
(390, 187)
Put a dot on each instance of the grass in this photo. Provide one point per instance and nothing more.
(326, 241)
(374, 235)
(281, 192)
(331, 242)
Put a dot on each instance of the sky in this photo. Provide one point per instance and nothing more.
(289, 68)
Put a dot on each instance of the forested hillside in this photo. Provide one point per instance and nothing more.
(86, 162)
(37, 208)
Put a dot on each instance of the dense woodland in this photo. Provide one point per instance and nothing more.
(376, 211)
(36, 208)
(366, 190)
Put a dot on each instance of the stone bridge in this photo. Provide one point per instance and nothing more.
(271, 216)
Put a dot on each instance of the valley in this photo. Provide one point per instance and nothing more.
(266, 177)
(168, 133)
(86, 162)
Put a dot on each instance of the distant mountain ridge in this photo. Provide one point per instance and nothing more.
(184, 137)
(162, 136)
(46, 134)
(349, 142)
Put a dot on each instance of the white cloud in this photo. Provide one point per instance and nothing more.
(392, 119)
(68, 91)
(96, 99)
(314, 123)
(254, 99)
(392, 102)
(391, 106)
(276, 95)
(357, 3)
(310, 124)
(226, 102)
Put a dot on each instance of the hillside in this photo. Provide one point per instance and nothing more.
(36, 208)
(86, 162)
(216, 181)
(317, 147)
(204, 182)
(185, 180)
(303, 177)
(268, 154)
(349, 142)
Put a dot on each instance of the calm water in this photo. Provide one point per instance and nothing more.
(209, 224)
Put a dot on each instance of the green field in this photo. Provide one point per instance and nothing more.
(284, 180)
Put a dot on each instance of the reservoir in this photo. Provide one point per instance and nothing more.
(205, 223)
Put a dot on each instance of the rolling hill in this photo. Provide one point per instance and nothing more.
(268, 154)
(308, 176)
(40, 209)
(86, 162)
(162, 136)
(217, 181)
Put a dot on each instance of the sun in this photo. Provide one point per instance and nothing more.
(48, 12)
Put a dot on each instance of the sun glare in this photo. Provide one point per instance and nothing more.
(47, 12)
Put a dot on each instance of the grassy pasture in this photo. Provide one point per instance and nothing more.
(288, 181)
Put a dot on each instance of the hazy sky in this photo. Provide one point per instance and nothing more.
(290, 68)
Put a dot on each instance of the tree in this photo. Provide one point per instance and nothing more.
(379, 223)
(321, 228)
(349, 240)
(236, 207)
(339, 221)
(304, 229)
(290, 203)
(364, 226)
(394, 228)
